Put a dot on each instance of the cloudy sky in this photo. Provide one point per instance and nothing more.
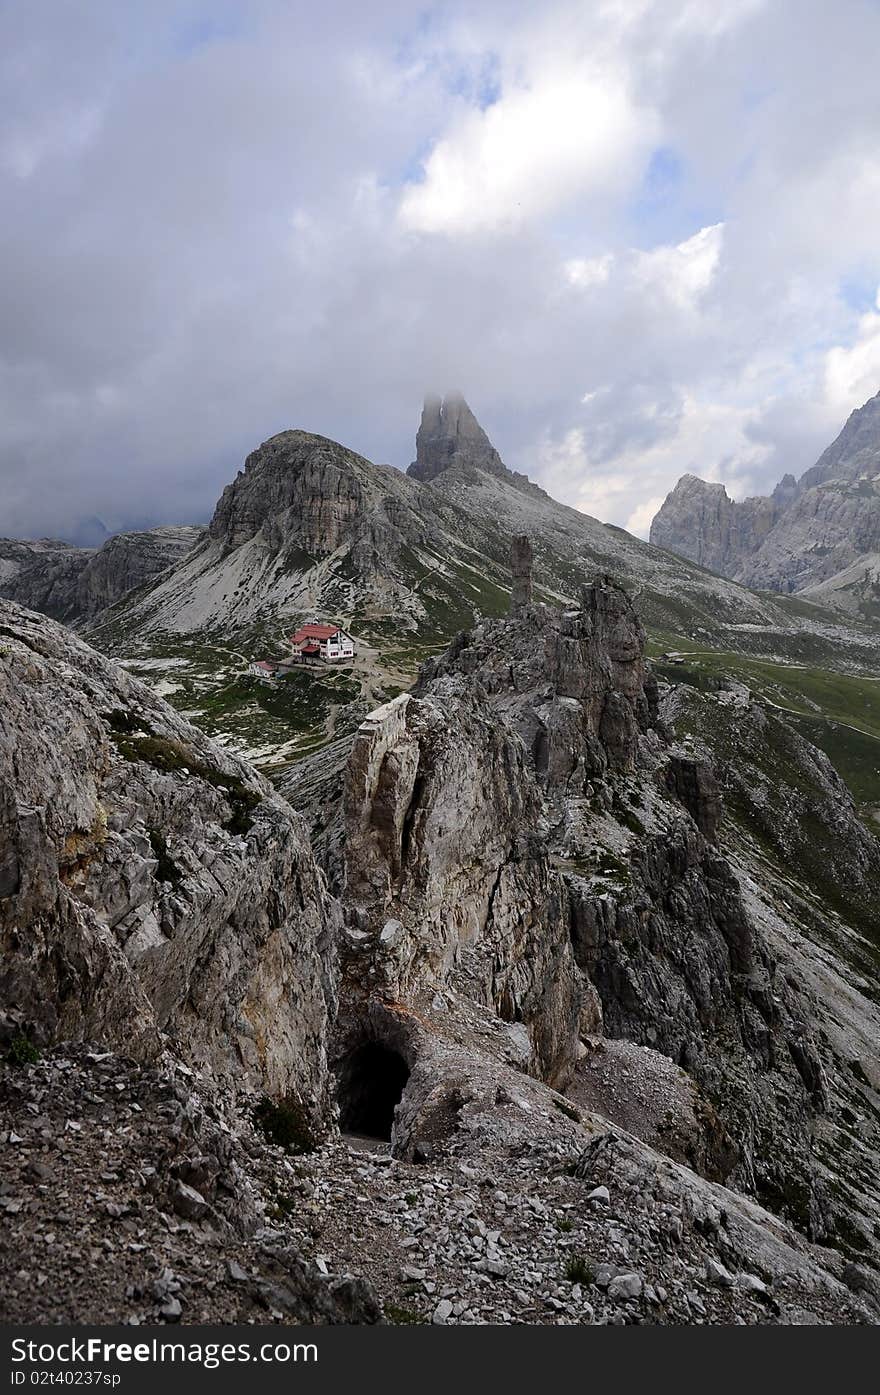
(640, 235)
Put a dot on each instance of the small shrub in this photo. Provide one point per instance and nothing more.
(565, 1226)
(167, 869)
(285, 1205)
(286, 1124)
(22, 1051)
(400, 1316)
(578, 1271)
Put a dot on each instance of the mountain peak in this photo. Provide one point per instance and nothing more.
(803, 534)
(450, 436)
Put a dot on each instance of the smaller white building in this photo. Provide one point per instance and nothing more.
(262, 669)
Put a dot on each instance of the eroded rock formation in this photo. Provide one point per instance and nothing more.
(519, 833)
(153, 889)
(450, 438)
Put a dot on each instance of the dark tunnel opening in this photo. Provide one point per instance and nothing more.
(371, 1082)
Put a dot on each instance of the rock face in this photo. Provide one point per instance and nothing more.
(521, 566)
(536, 893)
(791, 826)
(700, 521)
(152, 888)
(74, 583)
(297, 491)
(807, 533)
(447, 877)
(831, 526)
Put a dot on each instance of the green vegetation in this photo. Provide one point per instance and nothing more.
(22, 1051)
(578, 1270)
(285, 1123)
(401, 1316)
(168, 756)
(838, 712)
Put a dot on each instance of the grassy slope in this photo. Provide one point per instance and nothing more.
(838, 712)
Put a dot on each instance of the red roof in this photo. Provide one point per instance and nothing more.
(262, 663)
(314, 632)
(310, 649)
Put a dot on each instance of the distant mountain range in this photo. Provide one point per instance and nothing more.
(310, 525)
(72, 583)
(404, 561)
(819, 535)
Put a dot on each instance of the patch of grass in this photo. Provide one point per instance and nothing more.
(400, 1316)
(22, 1051)
(170, 756)
(578, 1270)
(565, 1226)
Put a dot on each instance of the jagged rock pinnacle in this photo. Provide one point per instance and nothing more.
(450, 435)
(521, 565)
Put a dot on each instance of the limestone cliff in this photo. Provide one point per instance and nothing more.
(807, 533)
(153, 889)
(700, 521)
(75, 583)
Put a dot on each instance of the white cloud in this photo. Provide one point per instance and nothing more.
(685, 271)
(681, 272)
(565, 132)
(853, 374)
(703, 438)
(586, 272)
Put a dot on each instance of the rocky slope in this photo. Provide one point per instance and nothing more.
(531, 895)
(74, 583)
(309, 524)
(804, 536)
(154, 889)
(519, 830)
(792, 827)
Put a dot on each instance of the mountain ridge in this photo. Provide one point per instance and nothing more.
(800, 537)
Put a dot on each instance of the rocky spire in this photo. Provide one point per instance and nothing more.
(449, 436)
(521, 565)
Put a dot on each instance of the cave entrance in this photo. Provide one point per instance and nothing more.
(371, 1082)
